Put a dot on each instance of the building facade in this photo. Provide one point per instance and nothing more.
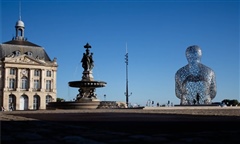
(27, 74)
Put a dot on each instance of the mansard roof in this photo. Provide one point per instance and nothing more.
(21, 42)
(10, 48)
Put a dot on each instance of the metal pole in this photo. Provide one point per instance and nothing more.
(126, 78)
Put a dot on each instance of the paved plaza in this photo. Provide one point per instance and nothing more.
(148, 125)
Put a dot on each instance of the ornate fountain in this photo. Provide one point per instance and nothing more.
(87, 85)
(86, 98)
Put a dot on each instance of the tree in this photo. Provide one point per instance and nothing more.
(226, 102)
(60, 100)
(229, 102)
(233, 102)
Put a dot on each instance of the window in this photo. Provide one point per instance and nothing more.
(12, 71)
(37, 72)
(29, 53)
(48, 73)
(48, 99)
(36, 84)
(12, 102)
(11, 83)
(48, 85)
(36, 102)
(24, 83)
(17, 53)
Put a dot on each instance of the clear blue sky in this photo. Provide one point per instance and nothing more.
(157, 34)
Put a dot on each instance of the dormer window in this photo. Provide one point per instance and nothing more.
(17, 53)
(29, 53)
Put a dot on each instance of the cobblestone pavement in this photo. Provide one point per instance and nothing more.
(121, 126)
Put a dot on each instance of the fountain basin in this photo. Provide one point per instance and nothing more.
(95, 84)
(73, 105)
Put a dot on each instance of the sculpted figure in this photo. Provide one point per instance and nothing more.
(87, 61)
(91, 61)
(195, 82)
(84, 62)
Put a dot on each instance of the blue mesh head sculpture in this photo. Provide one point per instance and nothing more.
(195, 83)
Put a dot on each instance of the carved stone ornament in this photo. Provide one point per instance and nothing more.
(24, 72)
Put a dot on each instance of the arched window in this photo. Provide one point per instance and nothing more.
(20, 33)
(36, 102)
(48, 99)
(12, 102)
(23, 102)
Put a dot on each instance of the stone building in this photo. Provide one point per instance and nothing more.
(27, 74)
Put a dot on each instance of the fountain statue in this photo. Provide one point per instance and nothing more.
(195, 83)
(87, 85)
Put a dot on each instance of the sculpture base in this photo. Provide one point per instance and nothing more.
(87, 100)
(87, 76)
(83, 104)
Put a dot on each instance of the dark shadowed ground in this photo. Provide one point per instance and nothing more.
(172, 125)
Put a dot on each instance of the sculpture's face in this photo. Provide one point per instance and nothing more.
(193, 54)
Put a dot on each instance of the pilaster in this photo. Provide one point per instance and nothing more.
(6, 79)
(18, 79)
(31, 80)
(43, 74)
(54, 81)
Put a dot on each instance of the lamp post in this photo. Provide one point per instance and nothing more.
(126, 61)
(105, 97)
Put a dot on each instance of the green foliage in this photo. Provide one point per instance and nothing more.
(234, 102)
(229, 102)
(226, 102)
(60, 100)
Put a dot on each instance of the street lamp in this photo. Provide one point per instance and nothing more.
(126, 61)
(105, 97)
